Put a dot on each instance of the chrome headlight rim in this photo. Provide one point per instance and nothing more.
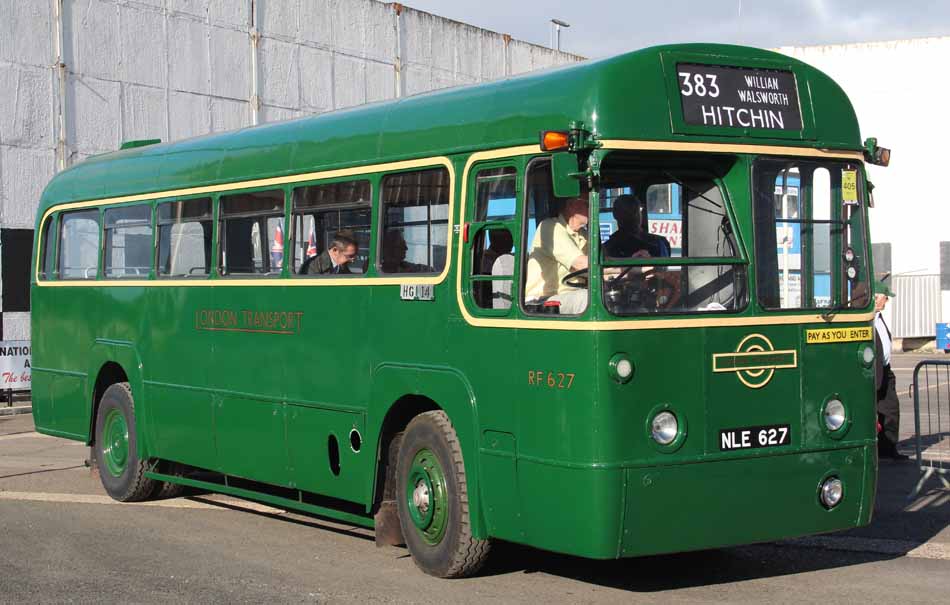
(831, 491)
(681, 432)
(844, 427)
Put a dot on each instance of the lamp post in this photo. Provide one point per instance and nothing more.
(556, 34)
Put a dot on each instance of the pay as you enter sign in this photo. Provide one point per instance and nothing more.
(15, 371)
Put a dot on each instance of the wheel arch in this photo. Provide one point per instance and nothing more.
(400, 393)
(112, 362)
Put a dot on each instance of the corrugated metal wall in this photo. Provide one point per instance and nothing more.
(78, 81)
(916, 306)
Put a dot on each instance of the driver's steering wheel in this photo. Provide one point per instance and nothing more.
(577, 279)
(664, 286)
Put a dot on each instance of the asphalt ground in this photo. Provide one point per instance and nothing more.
(63, 540)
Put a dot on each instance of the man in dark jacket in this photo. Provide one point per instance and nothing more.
(333, 260)
(888, 406)
(633, 237)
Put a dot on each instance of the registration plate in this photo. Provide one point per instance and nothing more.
(754, 437)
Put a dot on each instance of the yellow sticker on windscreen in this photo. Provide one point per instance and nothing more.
(849, 186)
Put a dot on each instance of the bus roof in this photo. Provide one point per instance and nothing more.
(628, 96)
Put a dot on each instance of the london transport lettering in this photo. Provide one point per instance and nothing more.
(736, 97)
(244, 320)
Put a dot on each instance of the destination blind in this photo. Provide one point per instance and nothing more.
(738, 97)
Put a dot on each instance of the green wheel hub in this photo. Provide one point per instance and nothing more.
(427, 497)
(115, 443)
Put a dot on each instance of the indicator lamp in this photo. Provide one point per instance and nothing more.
(554, 140)
(867, 355)
(849, 255)
(620, 368)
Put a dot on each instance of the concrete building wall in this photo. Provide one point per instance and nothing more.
(170, 69)
(899, 96)
(899, 100)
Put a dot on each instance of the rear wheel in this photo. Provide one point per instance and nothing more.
(432, 500)
(120, 470)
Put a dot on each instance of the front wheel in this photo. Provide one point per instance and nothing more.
(432, 500)
(120, 470)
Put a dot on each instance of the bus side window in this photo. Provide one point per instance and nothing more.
(493, 255)
(541, 280)
(415, 218)
(320, 211)
(184, 238)
(252, 233)
(493, 247)
(128, 241)
(47, 260)
(79, 244)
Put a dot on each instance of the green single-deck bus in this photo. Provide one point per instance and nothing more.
(461, 381)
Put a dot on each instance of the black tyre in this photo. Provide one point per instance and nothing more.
(165, 490)
(432, 500)
(120, 470)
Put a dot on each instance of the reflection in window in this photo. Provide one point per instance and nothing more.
(128, 239)
(184, 238)
(321, 211)
(495, 194)
(804, 225)
(79, 245)
(415, 207)
(252, 234)
(47, 261)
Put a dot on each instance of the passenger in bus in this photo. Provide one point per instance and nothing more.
(500, 242)
(560, 247)
(333, 260)
(394, 255)
(633, 237)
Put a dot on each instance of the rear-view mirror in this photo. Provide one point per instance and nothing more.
(563, 168)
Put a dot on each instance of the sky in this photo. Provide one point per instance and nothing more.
(605, 27)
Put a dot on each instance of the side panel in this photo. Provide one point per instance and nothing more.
(322, 456)
(251, 438)
(181, 421)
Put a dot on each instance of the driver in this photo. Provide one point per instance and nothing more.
(654, 288)
(632, 238)
(560, 247)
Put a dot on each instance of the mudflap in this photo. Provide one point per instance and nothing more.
(388, 528)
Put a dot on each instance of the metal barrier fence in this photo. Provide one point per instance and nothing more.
(931, 388)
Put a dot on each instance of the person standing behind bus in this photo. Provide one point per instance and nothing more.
(334, 260)
(559, 247)
(888, 405)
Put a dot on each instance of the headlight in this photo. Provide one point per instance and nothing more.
(867, 355)
(831, 492)
(664, 428)
(835, 414)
